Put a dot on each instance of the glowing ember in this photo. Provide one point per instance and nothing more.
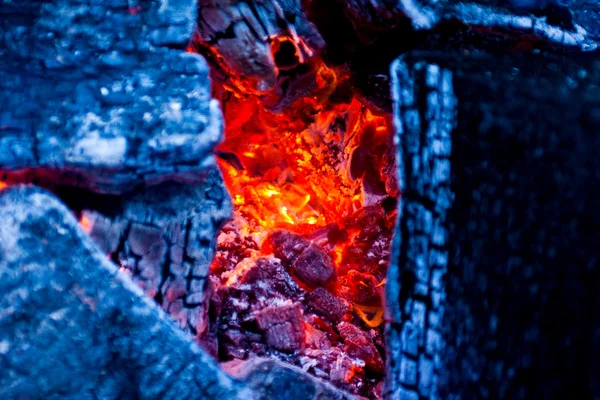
(314, 192)
(86, 224)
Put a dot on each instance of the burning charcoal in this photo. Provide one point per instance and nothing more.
(286, 245)
(329, 236)
(254, 41)
(238, 342)
(344, 369)
(369, 219)
(316, 338)
(360, 288)
(360, 345)
(283, 326)
(389, 172)
(313, 266)
(327, 304)
(269, 271)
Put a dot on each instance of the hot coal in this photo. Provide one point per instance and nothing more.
(262, 306)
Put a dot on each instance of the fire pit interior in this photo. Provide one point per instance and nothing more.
(300, 270)
(309, 190)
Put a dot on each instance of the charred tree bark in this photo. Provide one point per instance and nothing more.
(494, 288)
(73, 326)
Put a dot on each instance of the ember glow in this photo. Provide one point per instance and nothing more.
(314, 193)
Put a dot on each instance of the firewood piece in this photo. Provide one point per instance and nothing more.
(577, 24)
(244, 35)
(93, 96)
(73, 326)
(498, 226)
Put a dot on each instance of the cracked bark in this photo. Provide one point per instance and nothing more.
(497, 227)
(73, 326)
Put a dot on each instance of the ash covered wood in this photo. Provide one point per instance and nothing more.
(495, 282)
(73, 326)
(102, 95)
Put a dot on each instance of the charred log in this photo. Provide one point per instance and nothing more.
(498, 230)
(97, 96)
(73, 326)
(163, 236)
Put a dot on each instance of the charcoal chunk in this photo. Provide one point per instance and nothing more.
(313, 266)
(285, 245)
(359, 345)
(327, 304)
(283, 326)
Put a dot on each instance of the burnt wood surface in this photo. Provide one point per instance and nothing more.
(73, 327)
(164, 237)
(101, 93)
(494, 288)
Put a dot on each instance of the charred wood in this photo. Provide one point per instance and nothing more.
(494, 287)
(73, 326)
(102, 95)
(164, 236)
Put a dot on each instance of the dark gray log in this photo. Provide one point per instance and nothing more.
(92, 95)
(72, 326)
(494, 291)
(561, 22)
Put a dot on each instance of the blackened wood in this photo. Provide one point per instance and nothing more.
(101, 94)
(570, 23)
(164, 237)
(242, 33)
(494, 292)
(73, 326)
